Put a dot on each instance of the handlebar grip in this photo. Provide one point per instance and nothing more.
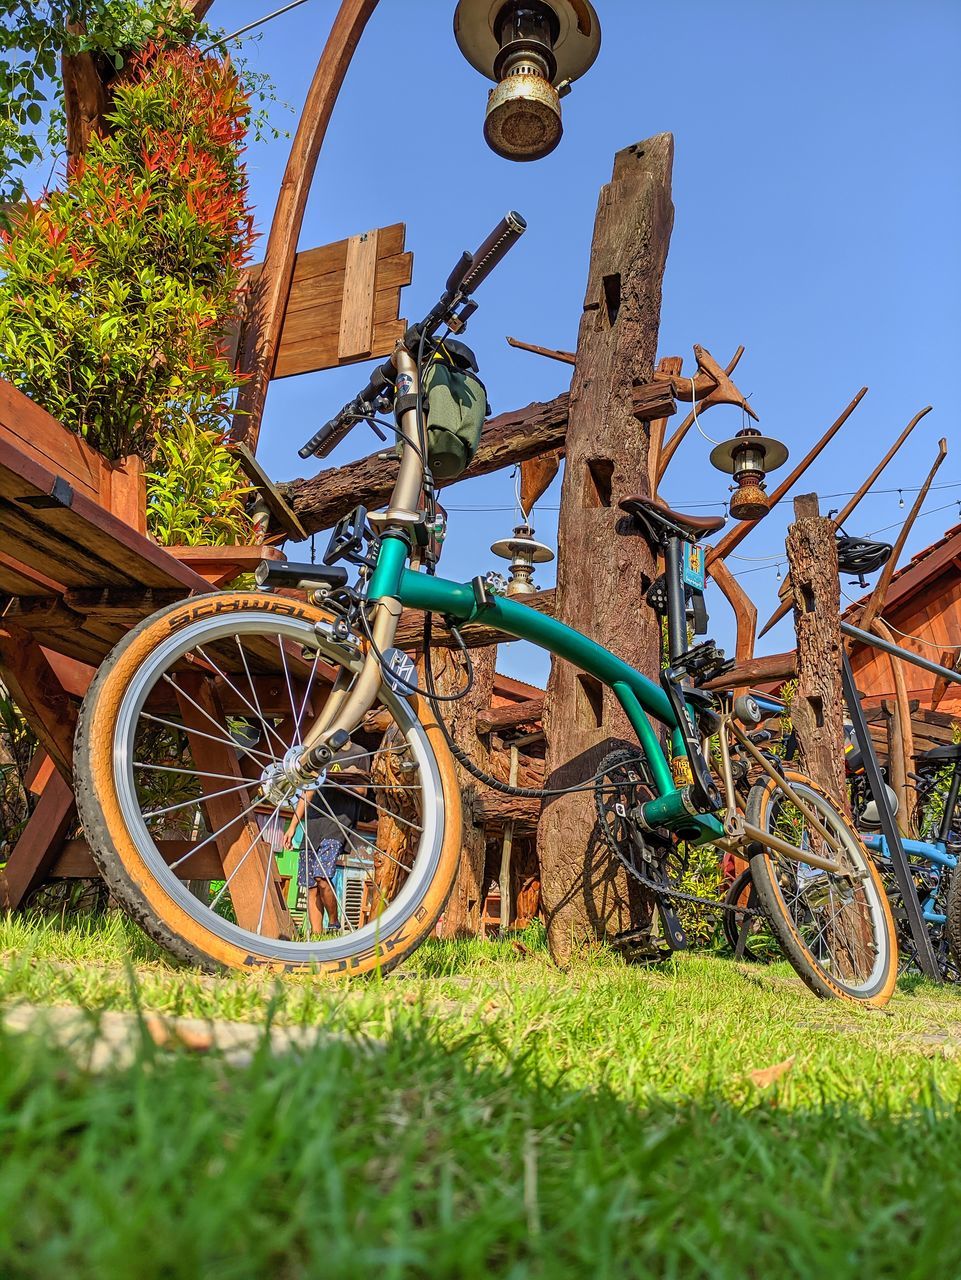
(328, 437)
(503, 238)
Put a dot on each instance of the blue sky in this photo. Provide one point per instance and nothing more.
(817, 187)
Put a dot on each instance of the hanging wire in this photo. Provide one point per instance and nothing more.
(250, 25)
(694, 412)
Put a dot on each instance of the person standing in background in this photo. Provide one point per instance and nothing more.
(329, 813)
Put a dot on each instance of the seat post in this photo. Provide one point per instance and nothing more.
(950, 800)
(676, 612)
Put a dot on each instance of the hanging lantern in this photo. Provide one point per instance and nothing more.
(749, 457)
(533, 50)
(523, 553)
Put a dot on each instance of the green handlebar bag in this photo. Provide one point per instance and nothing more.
(456, 409)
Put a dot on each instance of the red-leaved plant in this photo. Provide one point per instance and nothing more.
(116, 293)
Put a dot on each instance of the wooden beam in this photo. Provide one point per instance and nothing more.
(496, 719)
(565, 357)
(261, 332)
(771, 669)
(511, 437)
(817, 708)
(876, 600)
(673, 444)
(672, 366)
(75, 861)
(745, 611)
(40, 843)
(319, 502)
(34, 687)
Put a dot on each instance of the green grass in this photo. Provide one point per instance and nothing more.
(483, 1115)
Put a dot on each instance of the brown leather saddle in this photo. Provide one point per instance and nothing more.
(661, 522)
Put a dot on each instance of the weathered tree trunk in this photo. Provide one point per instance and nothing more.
(818, 706)
(603, 572)
(463, 912)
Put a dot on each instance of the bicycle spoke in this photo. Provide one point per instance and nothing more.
(217, 725)
(194, 773)
(309, 686)
(250, 848)
(198, 800)
(199, 733)
(290, 688)
(339, 786)
(227, 680)
(219, 832)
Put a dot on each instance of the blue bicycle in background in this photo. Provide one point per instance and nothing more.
(933, 859)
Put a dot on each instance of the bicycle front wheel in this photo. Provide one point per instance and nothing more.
(184, 796)
(836, 929)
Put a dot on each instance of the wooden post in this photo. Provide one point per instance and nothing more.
(817, 710)
(260, 333)
(603, 572)
(40, 843)
(463, 914)
(507, 848)
(247, 860)
(27, 673)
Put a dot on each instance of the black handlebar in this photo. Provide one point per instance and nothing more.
(471, 271)
(500, 241)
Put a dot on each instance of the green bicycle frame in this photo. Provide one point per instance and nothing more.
(637, 695)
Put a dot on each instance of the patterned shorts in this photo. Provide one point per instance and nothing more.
(318, 862)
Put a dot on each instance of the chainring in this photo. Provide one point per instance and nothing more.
(651, 857)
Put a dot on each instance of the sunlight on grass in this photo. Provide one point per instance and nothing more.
(510, 1119)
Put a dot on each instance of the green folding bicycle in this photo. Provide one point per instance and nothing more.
(209, 718)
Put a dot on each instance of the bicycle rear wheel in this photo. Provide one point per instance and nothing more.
(836, 930)
(183, 792)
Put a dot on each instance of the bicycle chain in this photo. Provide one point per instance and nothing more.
(662, 891)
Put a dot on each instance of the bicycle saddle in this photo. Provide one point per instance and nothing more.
(663, 523)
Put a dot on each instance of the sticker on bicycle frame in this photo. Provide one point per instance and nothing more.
(400, 673)
(693, 571)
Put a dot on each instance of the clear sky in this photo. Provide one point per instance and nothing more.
(817, 192)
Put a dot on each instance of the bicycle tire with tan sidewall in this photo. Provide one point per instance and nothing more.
(133, 881)
(879, 990)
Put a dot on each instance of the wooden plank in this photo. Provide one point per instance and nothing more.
(317, 344)
(34, 687)
(75, 861)
(83, 525)
(391, 275)
(19, 579)
(39, 843)
(357, 307)
(255, 887)
(124, 492)
(42, 438)
(30, 539)
(219, 565)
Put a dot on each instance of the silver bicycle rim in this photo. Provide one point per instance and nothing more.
(874, 906)
(426, 859)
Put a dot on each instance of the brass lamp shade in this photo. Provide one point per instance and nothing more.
(775, 453)
(575, 48)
